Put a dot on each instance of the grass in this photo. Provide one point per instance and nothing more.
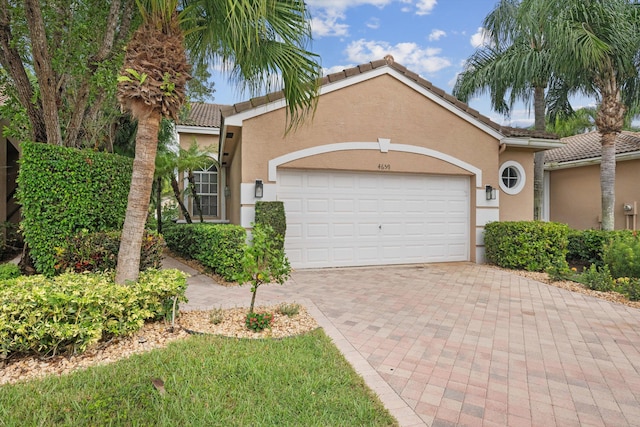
(209, 380)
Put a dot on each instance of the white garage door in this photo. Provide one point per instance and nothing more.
(351, 219)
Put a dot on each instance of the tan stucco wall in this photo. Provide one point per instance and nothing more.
(379, 108)
(234, 180)
(575, 198)
(203, 141)
(516, 207)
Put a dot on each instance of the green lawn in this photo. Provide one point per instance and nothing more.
(209, 380)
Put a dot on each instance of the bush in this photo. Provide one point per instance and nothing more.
(272, 214)
(597, 278)
(65, 190)
(219, 247)
(95, 252)
(526, 245)
(586, 246)
(70, 312)
(622, 255)
(629, 287)
(258, 322)
(9, 271)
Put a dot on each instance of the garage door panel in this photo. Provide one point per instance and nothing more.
(347, 219)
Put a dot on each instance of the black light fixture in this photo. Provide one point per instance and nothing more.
(490, 192)
(259, 189)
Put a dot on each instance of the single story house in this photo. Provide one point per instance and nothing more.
(9, 155)
(572, 181)
(390, 170)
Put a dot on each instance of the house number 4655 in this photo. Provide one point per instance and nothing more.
(384, 166)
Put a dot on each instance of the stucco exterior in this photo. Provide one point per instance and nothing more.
(572, 181)
(378, 122)
(575, 198)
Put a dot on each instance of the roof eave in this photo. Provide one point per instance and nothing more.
(534, 143)
(204, 130)
(635, 155)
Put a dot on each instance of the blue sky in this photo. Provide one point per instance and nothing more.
(430, 37)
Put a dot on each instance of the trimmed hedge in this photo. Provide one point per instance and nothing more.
(64, 190)
(526, 245)
(272, 214)
(95, 252)
(68, 313)
(219, 247)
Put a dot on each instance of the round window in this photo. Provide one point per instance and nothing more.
(512, 177)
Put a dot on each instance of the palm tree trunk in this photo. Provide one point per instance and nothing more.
(608, 180)
(176, 193)
(128, 267)
(538, 159)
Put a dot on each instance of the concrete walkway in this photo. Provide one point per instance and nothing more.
(466, 345)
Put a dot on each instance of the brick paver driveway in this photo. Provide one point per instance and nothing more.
(464, 344)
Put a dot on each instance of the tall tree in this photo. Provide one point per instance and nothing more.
(514, 64)
(60, 59)
(254, 38)
(596, 46)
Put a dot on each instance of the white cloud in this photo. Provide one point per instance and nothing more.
(412, 56)
(335, 69)
(327, 24)
(436, 35)
(425, 6)
(480, 38)
(373, 23)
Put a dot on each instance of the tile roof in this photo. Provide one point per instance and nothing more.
(388, 61)
(588, 146)
(204, 115)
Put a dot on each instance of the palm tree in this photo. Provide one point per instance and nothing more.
(253, 38)
(583, 120)
(190, 160)
(514, 64)
(596, 47)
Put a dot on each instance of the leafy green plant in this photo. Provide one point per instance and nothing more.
(9, 271)
(587, 246)
(216, 246)
(98, 251)
(629, 287)
(65, 190)
(272, 213)
(597, 278)
(526, 245)
(70, 312)
(263, 261)
(559, 272)
(289, 309)
(258, 322)
(622, 255)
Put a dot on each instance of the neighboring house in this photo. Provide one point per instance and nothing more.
(203, 126)
(390, 170)
(9, 155)
(572, 181)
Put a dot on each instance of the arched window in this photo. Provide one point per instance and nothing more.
(206, 181)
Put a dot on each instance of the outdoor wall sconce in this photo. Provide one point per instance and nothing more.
(259, 189)
(491, 192)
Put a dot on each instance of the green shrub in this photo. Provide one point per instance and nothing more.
(289, 309)
(65, 190)
(258, 322)
(629, 287)
(526, 245)
(622, 255)
(9, 271)
(98, 251)
(70, 312)
(216, 246)
(597, 278)
(586, 246)
(263, 262)
(272, 214)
